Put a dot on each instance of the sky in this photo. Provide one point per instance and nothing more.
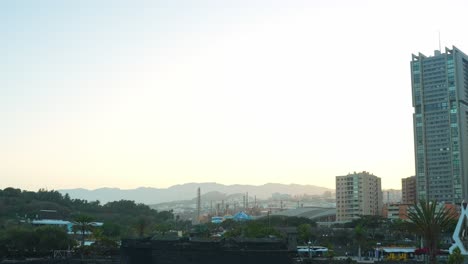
(157, 93)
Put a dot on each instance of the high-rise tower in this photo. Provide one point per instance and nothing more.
(440, 100)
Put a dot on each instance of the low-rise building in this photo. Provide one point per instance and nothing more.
(394, 211)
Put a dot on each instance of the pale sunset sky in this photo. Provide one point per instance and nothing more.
(157, 93)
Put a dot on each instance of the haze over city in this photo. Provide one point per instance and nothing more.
(158, 93)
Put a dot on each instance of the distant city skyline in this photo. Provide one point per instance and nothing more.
(157, 93)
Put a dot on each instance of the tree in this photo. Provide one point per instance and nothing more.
(163, 228)
(399, 229)
(304, 232)
(343, 238)
(52, 237)
(83, 224)
(456, 257)
(360, 237)
(429, 221)
(21, 239)
(229, 224)
(255, 229)
(141, 225)
(110, 229)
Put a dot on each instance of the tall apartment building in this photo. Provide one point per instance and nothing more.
(358, 194)
(408, 190)
(440, 100)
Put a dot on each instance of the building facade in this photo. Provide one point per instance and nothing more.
(391, 196)
(408, 190)
(440, 101)
(395, 211)
(358, 194)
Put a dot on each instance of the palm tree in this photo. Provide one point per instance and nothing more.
(83, 223)
(360, 237)
(141, 225)
(429, 220)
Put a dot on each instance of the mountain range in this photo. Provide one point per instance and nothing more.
(188, 191)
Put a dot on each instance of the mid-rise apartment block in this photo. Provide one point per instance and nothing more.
(358, 194)
(408, 190)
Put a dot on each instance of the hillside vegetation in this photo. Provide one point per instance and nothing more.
(121, 218)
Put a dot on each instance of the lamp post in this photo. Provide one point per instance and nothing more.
(377, 251)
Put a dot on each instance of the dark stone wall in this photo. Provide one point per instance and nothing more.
(345, 261)
(208, 252)
(64, 261)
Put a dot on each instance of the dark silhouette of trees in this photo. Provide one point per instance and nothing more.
(20, 241)
(18, 237)
(252, 229)
(162, 228)
(51, 237)
(279, 220)
(118, 216)
(111, 230)
(142, 224)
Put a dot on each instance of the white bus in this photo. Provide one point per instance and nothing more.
(311, 251)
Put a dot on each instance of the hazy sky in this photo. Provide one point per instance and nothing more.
(156, 93)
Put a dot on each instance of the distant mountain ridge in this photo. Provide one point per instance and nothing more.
(188, 191)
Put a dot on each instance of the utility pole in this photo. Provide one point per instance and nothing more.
(198, 205)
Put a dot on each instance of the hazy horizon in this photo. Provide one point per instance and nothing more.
(157, 93)
(151, 187)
